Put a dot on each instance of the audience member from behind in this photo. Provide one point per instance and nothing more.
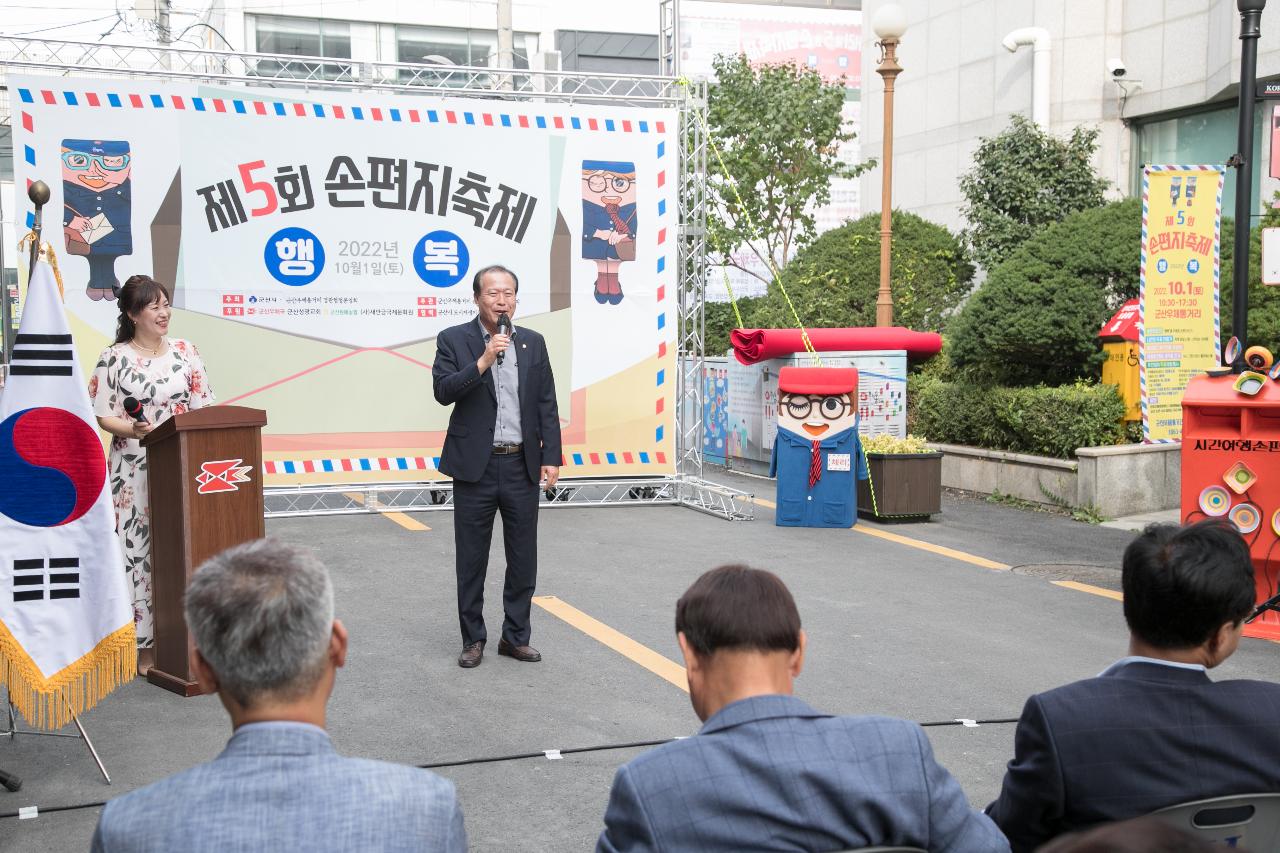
(766, 771)
(1152, 730)
(1141, 835)
(261, 616)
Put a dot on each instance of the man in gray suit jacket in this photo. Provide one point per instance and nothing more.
(767, 772)
(261, 615)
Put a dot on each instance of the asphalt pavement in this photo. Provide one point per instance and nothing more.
(960, 618)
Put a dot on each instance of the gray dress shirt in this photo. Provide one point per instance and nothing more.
(506, 382)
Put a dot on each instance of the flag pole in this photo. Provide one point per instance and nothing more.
(39, 195)
(38, 192)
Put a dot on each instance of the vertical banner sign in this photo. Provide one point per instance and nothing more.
(1179, 329)
(317, 242)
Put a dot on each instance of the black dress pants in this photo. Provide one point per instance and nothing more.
(505, 486)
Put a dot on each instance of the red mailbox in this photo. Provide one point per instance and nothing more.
(1231, 469)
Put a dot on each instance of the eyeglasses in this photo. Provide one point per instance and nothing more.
(600, 183)
(830, 407)
(79, 161)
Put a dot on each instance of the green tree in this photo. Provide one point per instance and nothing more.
(833, 281)
(1037, 316)
(721, 320)
(1022, 180)
(777, 129)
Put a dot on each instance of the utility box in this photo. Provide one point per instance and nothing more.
(1231, 470)
(1119, 338)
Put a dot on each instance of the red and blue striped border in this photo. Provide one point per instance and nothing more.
(299, 109)
(660, 377)
(432, 463)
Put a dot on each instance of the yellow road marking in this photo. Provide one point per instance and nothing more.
(913, 543)
(1089, 588)
(399, 518)
(619, 642)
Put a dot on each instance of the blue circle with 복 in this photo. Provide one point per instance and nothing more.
(441, 259)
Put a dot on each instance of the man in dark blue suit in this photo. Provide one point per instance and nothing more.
(1152, 730)
(768, 772)
(503, 438)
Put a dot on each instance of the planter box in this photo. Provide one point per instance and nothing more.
(907, 486)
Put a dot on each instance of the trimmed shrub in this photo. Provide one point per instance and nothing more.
(1041, 420)
(1024, 179)
(833, 281)
(1036, 318)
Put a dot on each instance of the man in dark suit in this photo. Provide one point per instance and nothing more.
(766, 771)
(1152, 730)
(503, 438)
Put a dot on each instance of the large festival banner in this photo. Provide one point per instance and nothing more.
(318, 241)
(1179, 327)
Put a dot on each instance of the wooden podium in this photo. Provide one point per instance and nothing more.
(204, 468)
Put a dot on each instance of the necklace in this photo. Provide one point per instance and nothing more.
(133, 342)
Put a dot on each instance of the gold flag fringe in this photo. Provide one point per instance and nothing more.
(50, 703)
(46, 254)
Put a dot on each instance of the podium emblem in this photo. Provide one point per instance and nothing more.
(221, 476)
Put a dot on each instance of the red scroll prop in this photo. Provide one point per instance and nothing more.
(753, 345)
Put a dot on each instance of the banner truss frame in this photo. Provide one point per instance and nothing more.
(686, 487)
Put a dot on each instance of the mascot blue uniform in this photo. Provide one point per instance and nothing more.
(817, 456)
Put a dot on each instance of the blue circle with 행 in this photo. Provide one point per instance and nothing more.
(441, 259)
(294, 256)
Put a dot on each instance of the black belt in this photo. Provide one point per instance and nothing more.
(507, 449)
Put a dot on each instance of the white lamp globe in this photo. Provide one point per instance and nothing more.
(889, 21)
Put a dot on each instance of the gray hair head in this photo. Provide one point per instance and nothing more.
(261, 615)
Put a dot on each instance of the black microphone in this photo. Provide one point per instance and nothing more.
(504, 328)
(133, 409)
(1272, 603)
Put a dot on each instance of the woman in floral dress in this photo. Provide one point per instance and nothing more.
(167, 376)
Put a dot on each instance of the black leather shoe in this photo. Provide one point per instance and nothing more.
(472, 655)
(528, 654)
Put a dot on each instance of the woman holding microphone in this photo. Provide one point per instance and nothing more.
(159, 377)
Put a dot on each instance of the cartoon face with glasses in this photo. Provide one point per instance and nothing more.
(817, 455)
(97, 199)
(609, 222)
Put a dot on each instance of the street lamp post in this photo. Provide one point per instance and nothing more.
(1250, 17)
(889, 23)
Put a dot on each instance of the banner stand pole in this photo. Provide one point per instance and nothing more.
(12, 732)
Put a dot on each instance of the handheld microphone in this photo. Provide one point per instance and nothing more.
(504, 328)
(133, 409)
(1272, 603)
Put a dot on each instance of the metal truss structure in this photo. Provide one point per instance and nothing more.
(284, 502)
(687, 487)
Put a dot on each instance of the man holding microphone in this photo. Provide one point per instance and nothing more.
(503, 438)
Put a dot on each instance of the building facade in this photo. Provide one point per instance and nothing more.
(1175, 101)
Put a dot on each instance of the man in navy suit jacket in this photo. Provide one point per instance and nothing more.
(261, 616)
(504, 436)
(1152, 730)
(767, 772)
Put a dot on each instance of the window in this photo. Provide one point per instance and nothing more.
(304, 37)
(448, 46)
(1203, 138)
